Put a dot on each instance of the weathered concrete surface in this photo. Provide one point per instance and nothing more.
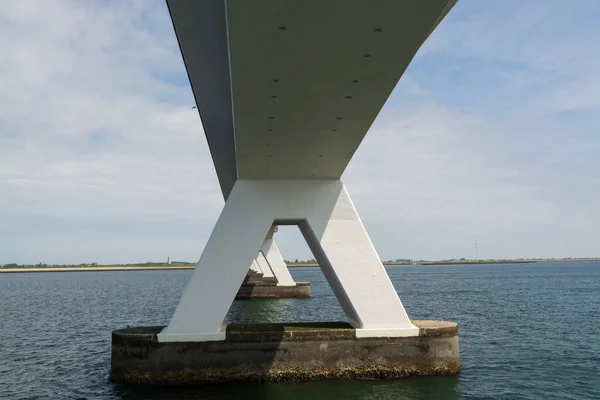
(291, 352)
(270, 290)
(257, 286)
(253, 277)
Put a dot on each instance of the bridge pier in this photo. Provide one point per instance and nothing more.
(378, 341)
(287, 91)
(270, 277)
(283, 352)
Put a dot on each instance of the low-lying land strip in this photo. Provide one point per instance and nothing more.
(8, 268)
(460, 262)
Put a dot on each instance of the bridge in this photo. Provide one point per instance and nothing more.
(286, 92)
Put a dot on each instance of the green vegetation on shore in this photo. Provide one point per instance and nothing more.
(489, 261)
(300, 262)
(96, 265)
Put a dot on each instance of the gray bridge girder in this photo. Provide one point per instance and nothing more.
(300, 83)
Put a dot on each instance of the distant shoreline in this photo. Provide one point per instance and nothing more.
(464, 262)
(94, 269)
(162, 267)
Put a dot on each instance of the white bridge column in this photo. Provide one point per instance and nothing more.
(335, 234)
(270, 252)
(262, 263)
(270, 262)
(256, 266)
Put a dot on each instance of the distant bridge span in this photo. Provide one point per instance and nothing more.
(286, 91)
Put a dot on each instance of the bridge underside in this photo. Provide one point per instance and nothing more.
(287, 91)
(301, 81)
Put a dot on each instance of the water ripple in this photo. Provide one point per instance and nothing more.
(526, 332)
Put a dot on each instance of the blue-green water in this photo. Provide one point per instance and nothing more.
(528, 331)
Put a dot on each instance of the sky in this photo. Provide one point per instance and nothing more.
(491, 136)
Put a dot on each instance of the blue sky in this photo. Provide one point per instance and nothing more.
(492, 135)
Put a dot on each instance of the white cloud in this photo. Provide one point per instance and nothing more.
(103, 159)
(427, 166)
(96, 125)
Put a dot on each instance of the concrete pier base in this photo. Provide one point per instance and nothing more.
(253, 277)
(283, 352)
(256, 286)
(272, 291)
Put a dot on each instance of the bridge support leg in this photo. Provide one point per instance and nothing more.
(333, 230)
(269, 252)
(271, 263)
(256, 267)
(264, 266)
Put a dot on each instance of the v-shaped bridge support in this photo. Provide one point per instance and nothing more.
(270, 262)
(333, 230)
